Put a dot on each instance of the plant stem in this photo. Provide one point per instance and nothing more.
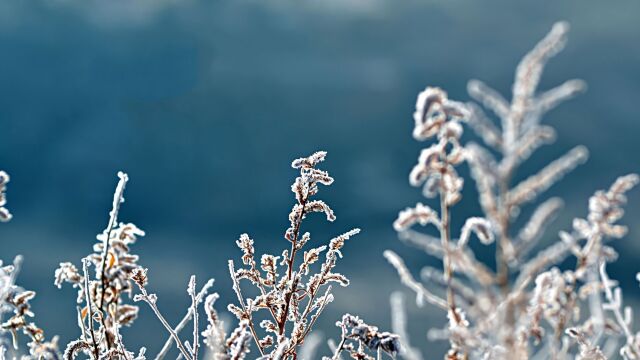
(238, 291)
(445, 238)
(164, 322)
(113, 218)
(89, 309)
(294, 242)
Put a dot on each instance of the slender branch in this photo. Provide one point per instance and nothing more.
(325, 301)
(294, 242)
(185, 320)
(445, 237)
(154, 307)
(407, 279)
(336, 355)
(194, 306)
(615, 302)
(113, 218)
(236, 288)
(96, 352)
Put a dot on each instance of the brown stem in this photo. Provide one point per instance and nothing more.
(445, 238)
(96, 352)
(164, 322)
(294, 242)
(502, 267)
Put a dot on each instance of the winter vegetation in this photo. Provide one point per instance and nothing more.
(528, 305)
(275, 317)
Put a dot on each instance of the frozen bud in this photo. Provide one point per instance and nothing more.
(421, 214)
(67, 272)
(140, 276)
(338, 242)
(481, 227)
(5, 215)
(245, 243)
(4, 178)
(433, 110)
(309, 162)
(320, 206)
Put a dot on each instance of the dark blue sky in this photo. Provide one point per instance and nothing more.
(205, 103)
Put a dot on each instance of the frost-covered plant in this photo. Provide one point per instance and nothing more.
(288, 290)
(294, 296)
(105, 310)
(496, 314)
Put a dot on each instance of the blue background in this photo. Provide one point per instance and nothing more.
(205, 103)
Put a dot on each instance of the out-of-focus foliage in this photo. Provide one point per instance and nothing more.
(520, 309)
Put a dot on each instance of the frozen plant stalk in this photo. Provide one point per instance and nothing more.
(290, 291)
(105, 310)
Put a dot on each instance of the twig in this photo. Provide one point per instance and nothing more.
(87, 296)
(194, 306)
(113, 218)
(164, 322)
(185, 320)
(336, 355)
(238, 291)
(410, 282)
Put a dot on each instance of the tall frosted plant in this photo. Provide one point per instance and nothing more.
(498, 313)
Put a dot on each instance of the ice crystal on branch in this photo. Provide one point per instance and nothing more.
(521, 309)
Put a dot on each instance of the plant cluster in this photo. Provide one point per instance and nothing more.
(295, 296)
(291, 291)
(530, 305)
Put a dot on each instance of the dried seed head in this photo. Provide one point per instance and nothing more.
(67, 272)
(139, 276)
(245, 243)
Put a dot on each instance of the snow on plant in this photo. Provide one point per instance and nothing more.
(289, 291)
(526, 307)
(289, 288)
(103, 308)
(520, 310)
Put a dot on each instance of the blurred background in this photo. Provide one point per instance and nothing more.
(205, 104)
